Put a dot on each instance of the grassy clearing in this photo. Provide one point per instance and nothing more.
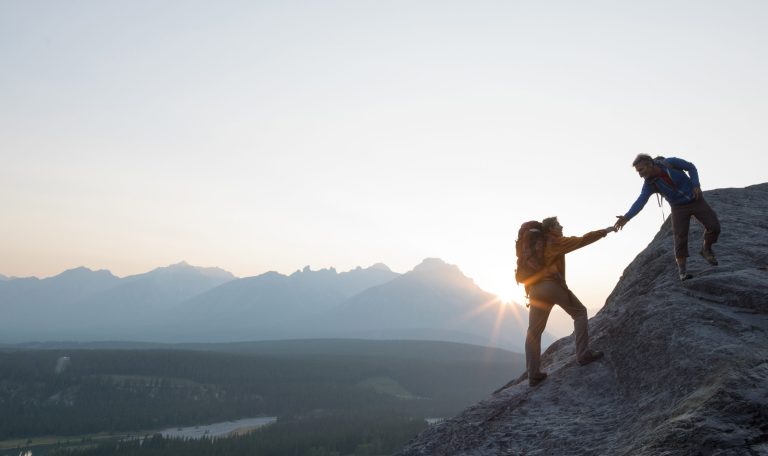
(388, 386)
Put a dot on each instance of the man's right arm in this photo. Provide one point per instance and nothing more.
(638, 206)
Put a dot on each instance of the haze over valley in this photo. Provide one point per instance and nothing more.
(184, 303)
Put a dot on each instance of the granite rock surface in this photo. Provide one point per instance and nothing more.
(686, 365)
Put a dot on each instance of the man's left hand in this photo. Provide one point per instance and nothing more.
(697, 193)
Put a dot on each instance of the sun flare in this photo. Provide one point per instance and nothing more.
(510, 293)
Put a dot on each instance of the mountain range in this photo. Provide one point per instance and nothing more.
(184, 303)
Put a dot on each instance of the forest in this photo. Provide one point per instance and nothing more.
(330, 397)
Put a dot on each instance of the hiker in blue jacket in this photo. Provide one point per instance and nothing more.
(667, 176)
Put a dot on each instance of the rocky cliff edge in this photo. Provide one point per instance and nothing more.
(686, 366)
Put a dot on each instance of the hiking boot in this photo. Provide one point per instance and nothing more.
(591, 355)
(709, 256)
(535, 379)
(685, 276)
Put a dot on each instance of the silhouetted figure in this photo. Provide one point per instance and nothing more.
(667, 176)
(548, 288)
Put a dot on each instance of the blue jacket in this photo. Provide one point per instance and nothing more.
(680, 193)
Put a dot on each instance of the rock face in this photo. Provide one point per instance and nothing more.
(686, 365)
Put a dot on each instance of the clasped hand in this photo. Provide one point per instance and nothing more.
(620, 222)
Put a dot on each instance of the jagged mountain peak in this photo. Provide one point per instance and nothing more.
(308, 270)
(685, 369)
(436, 266)
(180, 266)
(432, 264)
(437, 269)
(374, 267)
(332, 270)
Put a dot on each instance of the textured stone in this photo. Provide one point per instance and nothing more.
(686, 366)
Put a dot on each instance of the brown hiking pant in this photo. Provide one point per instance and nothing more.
(681, 221)
(544, 295)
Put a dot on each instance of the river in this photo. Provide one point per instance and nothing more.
(37, 447)
(217, 429)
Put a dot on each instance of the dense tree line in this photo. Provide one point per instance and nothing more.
(138, 390)
(326, 434)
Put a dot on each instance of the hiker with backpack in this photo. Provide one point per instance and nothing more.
(541, 249)
(678, 182)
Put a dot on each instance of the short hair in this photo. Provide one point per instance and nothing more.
(548, 223)
(642, 158)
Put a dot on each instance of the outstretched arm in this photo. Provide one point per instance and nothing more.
(563, 245)
(637, 206)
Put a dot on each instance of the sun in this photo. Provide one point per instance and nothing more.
(499, 280)
(509, 293)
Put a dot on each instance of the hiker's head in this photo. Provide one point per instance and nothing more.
(644, 165)
(551, 225)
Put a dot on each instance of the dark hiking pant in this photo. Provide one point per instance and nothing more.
(681, 221)
(543, 296)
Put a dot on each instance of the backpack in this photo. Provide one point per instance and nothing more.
(663, 162)
(530, 251)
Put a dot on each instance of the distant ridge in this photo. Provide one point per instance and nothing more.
(81, 304)
(185, 303)
(436, 265)
(416, 349)
(185, 268)
(267, 306)
(82, 271)
(434, 301)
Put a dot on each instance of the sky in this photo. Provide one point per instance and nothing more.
(271, 135)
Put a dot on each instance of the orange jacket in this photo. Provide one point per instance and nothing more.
(557, 246)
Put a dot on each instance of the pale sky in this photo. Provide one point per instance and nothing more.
(258, 136)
